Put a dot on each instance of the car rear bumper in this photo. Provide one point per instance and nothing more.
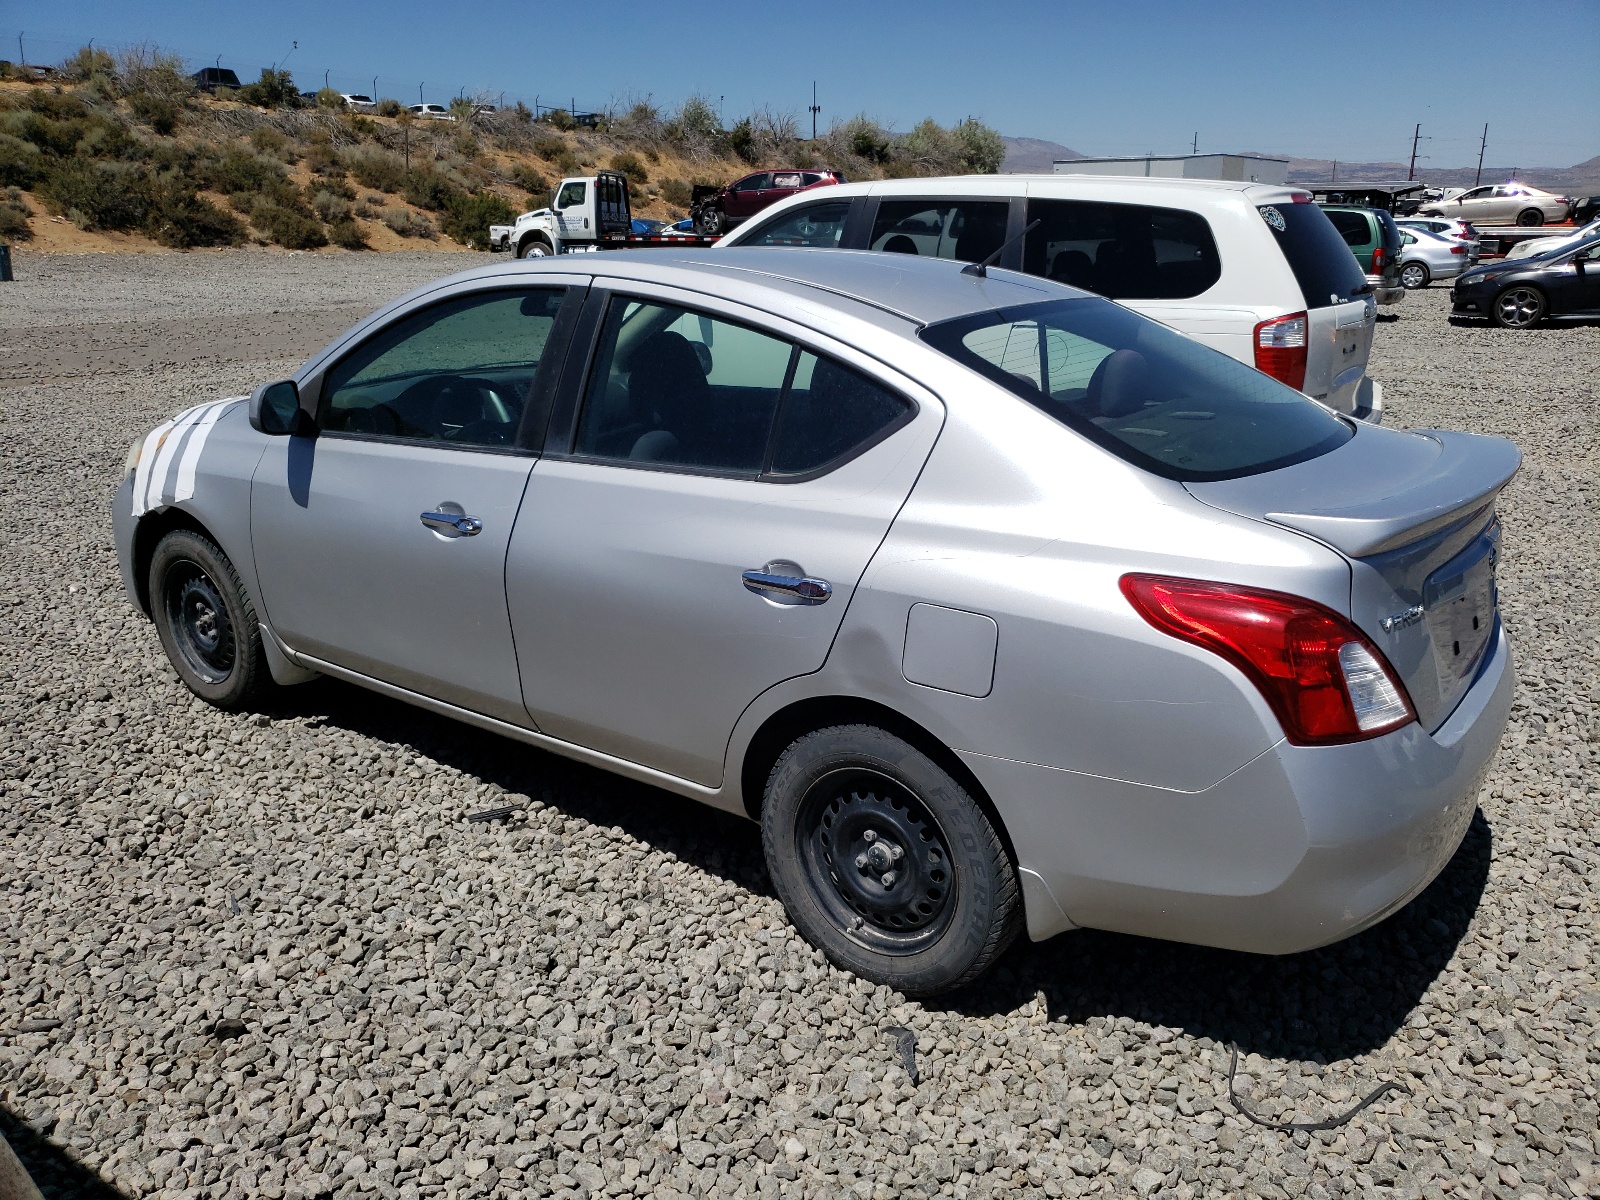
(1300, 847)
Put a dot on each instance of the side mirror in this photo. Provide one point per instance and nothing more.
(275, 409)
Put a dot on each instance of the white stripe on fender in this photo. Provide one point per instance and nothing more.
(147, 456)
(184, 488)
(157, 481)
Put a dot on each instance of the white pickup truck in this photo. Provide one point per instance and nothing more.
(591, 212)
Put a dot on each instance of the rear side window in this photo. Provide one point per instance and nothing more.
(1144, 392)
(675, 388)
(964, 230)
(1123, 251)
(814, 225)
(1316, 252)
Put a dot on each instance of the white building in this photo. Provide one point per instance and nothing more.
(1243, 168)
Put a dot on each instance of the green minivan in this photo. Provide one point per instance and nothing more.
(1374, 239)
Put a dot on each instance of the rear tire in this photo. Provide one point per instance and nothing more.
(885, 863)
(206, 622)
(1530, 216)
(534, 248)
(1414, 275)
(1519, 307)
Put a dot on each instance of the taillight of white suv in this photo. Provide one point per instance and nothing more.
(1280, 346)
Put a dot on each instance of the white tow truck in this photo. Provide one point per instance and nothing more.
(590, 213)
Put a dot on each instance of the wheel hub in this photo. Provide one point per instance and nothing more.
(878, 864)
(199, 623)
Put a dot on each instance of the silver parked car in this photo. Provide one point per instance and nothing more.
(999, 606)
(1426, 256)
(1449, 227)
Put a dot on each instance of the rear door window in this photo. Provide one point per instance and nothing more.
(814, 225)
(963, 230)
(1353, 227)
(675, 388)
(1144, 392)
(1123, 251)
(1317, 251)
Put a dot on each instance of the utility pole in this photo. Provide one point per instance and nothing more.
(1416, 136)
(815, 109)
(1334, 177)
(1195, 149)
(22, 55)
(1478, 178)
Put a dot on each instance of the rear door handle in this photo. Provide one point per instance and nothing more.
(452, 524)
(771, 583)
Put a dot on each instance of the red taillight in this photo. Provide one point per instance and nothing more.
(1300, 198)
(1280, 346)
(1379, 257)
(1325, 681)
(1458, 249)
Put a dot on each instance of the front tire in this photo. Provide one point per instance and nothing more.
(885, 862)
(1414, 275)
(206, 622)
(1520, 307)
(709, 223)
(534, 248)
(1530, 216)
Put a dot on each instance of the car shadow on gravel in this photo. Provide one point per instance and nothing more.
(54, 1171)
(706, 838)
(1322, 1005)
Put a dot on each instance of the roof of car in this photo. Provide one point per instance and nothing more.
(915, 290)
(987, 184)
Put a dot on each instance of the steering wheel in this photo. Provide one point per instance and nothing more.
(471, 399)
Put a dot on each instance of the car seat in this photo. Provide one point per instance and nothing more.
(667, 383)
(1121, 385)
(1074, 268)
(900, 244)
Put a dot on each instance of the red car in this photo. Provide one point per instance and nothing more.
(716, 210)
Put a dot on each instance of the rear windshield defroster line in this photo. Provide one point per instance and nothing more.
(1144, 392)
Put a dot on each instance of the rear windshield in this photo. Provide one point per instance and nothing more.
(1323, 265)
(1147, 394)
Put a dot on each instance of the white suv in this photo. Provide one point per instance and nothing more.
(1255, 270)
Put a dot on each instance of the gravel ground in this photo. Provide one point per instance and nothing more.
(268, 955)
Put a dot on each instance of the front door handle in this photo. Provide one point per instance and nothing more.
(775, 583)
(452, 524)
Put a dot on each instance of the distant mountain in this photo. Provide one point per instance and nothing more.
(1033, 156)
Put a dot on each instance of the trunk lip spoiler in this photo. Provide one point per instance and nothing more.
(1442, 497)
(1377, 526)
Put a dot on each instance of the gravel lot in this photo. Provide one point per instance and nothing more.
(268, 956)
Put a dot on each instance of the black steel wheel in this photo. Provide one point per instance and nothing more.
(1519, 307)
(885, 862)
(206, 622)
(876, 860)
(1530, 216)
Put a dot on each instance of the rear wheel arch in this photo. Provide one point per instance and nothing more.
(783, 727)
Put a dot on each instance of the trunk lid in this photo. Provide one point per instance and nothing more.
(1414, 513)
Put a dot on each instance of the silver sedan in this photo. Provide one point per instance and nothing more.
(1426, 256)
(998, 606)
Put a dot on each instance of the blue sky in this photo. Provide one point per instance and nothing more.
(1345, 79)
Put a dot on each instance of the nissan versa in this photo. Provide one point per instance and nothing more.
(999, 606)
